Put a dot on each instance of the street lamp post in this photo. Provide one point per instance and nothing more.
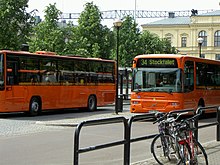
(117, 24)
(200, 41)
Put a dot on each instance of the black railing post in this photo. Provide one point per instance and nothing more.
(76, 144)
(120, 102)
(196, 123)
(127, 143)
(127, 83)
(78, 150)
(218, 126)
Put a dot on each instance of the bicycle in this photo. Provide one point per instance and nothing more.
(185, 133)
(164, 146)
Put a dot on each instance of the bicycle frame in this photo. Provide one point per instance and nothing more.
(189, 140)
(195, 148)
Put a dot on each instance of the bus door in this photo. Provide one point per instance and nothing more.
(14, 95)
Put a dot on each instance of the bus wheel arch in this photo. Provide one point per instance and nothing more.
(92, 103)
(35, 105)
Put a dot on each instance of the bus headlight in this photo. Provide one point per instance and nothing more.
(174, 104)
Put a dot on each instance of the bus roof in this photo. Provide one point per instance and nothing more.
(53, 55)
(177, 56)
(161, 56)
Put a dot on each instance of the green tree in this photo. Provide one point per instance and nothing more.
(168, 48)
(133, 42)
(48, 35)
(129, 42)
(149, 43)
(16, 23)
(93, 39)
(152, 44)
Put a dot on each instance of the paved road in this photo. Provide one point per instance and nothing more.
(46, 139)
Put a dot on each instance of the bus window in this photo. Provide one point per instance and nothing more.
(189, 76)
(29, 70)
(12, 71)
(1, 72)
(217, 76)
(66, 71)
(157, 80)
(49, 67)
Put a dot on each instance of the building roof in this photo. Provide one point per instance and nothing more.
(180, 20)
(171, 21)
(213, 13)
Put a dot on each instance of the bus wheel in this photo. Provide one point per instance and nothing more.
(35, 107)
(92, 104)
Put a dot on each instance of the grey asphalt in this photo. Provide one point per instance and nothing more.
(212, 147)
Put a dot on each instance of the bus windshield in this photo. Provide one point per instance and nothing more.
(1, 71)
(157, 80)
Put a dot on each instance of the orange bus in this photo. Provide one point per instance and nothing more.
(32, 82)
(166, 82)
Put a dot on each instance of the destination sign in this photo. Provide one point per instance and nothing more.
(157, 62)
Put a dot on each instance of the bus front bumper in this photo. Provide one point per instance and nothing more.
(150, 106)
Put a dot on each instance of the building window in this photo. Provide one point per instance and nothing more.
(217, 56)
(183, 42)
(203, 35)
(217, 39)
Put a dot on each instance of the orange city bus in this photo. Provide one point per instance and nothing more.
(32, 82)
(166, 82)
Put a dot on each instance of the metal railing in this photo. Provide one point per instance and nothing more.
(78, 150)
(217, 122)
(127, 140)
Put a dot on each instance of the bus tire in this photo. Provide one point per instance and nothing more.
(35, 106)
(92, 103)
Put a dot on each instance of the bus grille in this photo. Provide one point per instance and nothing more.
(153, 105)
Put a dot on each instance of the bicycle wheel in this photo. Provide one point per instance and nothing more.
(163, 148)
(200, 156)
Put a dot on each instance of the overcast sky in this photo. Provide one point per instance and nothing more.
(76, 6)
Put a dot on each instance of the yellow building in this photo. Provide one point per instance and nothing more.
(183, 33)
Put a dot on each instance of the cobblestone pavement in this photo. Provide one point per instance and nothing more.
(18, 124)
(10, 127)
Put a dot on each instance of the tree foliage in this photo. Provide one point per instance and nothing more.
(129, 38)
(16, 23)
(94, 38)
(152, 44)
(48, 35)
(134, 42)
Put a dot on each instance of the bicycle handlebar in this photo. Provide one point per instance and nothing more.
(167, 115)
(160, 118)
(195, 117)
